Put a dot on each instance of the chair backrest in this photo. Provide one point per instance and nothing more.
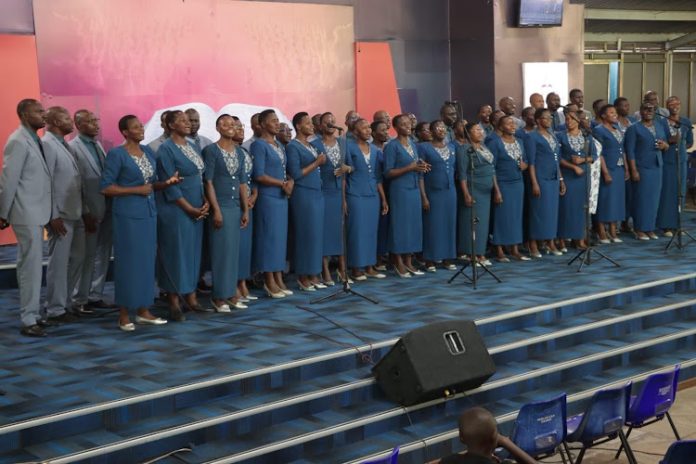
(680, 452)
(655, 397)
(393, 458)
(540, 427)
(606, 413)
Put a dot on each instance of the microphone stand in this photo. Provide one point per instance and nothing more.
(676, 239)
(345, 288)
(472, 261)
(585, 255)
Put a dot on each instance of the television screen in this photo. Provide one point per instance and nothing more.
(539, 13)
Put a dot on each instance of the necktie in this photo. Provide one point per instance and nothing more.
(97, 154)
(43, 155)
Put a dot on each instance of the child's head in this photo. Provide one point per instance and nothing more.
(478, 430)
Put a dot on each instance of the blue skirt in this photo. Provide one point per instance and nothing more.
(507, 216)
(571, 207)
(245, 239)
(135, 245)
(628, 188)
(646, 199)
(611, 204)
(543, 211)
(481, 192)
(180, 243)
(332, 243)
(307, 211)
(440, 226)
(363, 214)
(224, 252)
(405, 221)
(667, 213)
(271, 233)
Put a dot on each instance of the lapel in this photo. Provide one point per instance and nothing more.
(67, 151)
(88, 156)
(34, 147)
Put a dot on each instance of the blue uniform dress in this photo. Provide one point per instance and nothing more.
(640, 146)
(383, 227)
(611, 205)
(507, 216)
(332, 191)
(363, 205)
(571, 210)
(271, 216)
(628, 184)
(405, 221)
(439, 224)
(226, 171)
(306, 209)
(134, 227)
(246, 234)
(179, 236)
(543, 211)
(667, 213)
(480, 188)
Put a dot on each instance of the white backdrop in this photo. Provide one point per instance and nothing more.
(544, 78)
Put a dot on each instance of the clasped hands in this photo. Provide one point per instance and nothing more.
(420, 166)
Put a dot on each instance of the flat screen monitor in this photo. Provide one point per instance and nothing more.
(540, 13)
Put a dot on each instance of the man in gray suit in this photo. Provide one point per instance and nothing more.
(95, 229)
(64, 263)
(25, 204)
(155, 144)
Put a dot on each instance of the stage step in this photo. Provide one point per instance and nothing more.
(273, 401)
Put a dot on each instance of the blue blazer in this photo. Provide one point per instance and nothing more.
(328, 180)
(299, 157)
(170, 159)
(120, 169)
(567, 151)
(541, 156)
(441, 175)
(362, 182)
(267, 162)
(226, 185)
(612, 150)
(506, 168)
(640, 145)
(396, 156)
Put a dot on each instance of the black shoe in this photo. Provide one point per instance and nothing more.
(203, 287)
(100, 304)
(176, 315)
(64, 318)
(33, 331)
(47, 323)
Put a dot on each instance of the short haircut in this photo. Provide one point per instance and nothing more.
(540, 112)
(223, 116)
(574, 92)
(79, 115)
(397, 118)
(265, 114)
(297, 119)
(603, 110)
(375, 125)
(24, 105)
(171, 117)
(620, 100)
(124, 121)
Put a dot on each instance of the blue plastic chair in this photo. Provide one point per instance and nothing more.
(393, 458)
(540, 427)
(680, 452)
(653, 401)
(602, 421)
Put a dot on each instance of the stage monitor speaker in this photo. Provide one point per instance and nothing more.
(434, 361)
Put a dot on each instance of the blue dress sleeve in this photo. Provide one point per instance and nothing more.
(390, 154)
(294, 165)
(530, 148)
(349, 155)
(210, 159)
(379, 170)
(165, 170)
(630, 142)
(243, 174)
(112, 168)
(258, 154)
(462, 155)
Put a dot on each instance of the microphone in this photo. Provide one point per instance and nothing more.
(453, 102)
(332, 126)
(677, 124)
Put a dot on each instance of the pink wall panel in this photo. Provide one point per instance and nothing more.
(375, 84)
(135, 56)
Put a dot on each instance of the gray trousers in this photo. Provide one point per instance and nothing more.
(97, 255)
(29, 269)
(65, 258)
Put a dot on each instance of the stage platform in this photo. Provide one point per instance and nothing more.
(90, 375)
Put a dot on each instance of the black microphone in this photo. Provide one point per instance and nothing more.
(331, 126)
(453, 102)
(676, 124)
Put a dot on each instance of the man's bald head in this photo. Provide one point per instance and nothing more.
(478, 430)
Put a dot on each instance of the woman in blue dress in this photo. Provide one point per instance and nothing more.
(180, 213)
(332, 188)
(246, 233)
(129, 178)
(422, 132)
(440, 199)
(224, 174)
(477, 190)
(577, 154)
(681, 137)
(380, 137)
(365, 201)
(306, 203)
(624, 121)
(546, 184)
(510, 164)
(611, 204)
(645, 142)
(403, 169)
(271, 215)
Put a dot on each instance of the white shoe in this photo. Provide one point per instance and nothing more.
(379, 275)
(668, 233)
(127, 327)
(223, 308)
(381, 268)
(240, 305)
(604, 241)
(616, 240)
(319, 285)
(251, 297)
(146, 321)
(286, 291)
(431, 269)
(451, 267)
(360, 277)
(280, 294)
